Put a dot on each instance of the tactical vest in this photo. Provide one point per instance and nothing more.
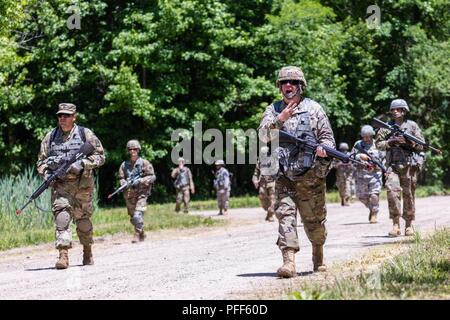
(294, 160)
(223, 179)
(402, 155)
(182, 179)
(374, 153)
(66, 150)
(137, 170)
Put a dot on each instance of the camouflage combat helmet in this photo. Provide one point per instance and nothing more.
(399, 103)
(343, 146)
(367, 131)
(291, 73)
(133, 144)
(219, 163)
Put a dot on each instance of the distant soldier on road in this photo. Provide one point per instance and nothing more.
(183, 184)
(368, 177)
(344, 176)
(136, 195)
(264, 181)
(222, 184)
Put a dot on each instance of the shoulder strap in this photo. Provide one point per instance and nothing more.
(82, 133)
(52, 136)
(277, 106)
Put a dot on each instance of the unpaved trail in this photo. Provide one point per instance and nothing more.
(204, 263)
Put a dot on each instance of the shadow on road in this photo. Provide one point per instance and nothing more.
(52, 268)
(272, 274)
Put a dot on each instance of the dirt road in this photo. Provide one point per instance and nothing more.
(216, 263)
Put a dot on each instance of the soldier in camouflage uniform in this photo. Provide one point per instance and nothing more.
(72, 195)
(344, 176)
(368, 177)
(265, 183)
(301, 176)
(183, 184)
(222, 184)
(136, 195)
(403, 162)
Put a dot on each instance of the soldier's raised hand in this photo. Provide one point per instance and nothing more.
(287, 112)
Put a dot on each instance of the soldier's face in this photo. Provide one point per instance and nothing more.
(367, 139)
(289, 88)
(181, 164)
(133, 152)
(66, 121)
(398, 113)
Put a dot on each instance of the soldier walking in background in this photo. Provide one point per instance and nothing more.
(183, 184)
(403, 161)
(368, 177)
(222, 185)
(137, 193)
(344, 176)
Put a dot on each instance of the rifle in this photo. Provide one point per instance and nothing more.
(311, 145)
(371, 160)
(130, 181)
(395, 129)
(85, 150)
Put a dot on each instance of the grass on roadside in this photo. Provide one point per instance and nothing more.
(421, 272)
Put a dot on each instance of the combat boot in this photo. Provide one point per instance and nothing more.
(269, 217)
(63, 261)
(342, 202)
(88, 260)
(318, 259)
(135, 237)
(409, 230)
(225, 211)
(347, 201)
(287, 270)
(142, 236)
(395, 232)
(373, 217)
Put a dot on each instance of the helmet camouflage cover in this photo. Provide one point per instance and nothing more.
(133, 144)
(291, 73)
(399, 103)
(367, 131)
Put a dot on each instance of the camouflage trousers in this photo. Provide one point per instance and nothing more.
(135, 201)
(402, 182)
(267, 197)
(308, 195)
(183, 195)
(344, 186)
(69, 202)
(223, 196)
(368, 189)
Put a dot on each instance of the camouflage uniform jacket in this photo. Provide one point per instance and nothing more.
(222, 180)
(128, 168)
(308, 114)
(404, 154)
(260, 176)
(364, 170)
(95, 160)
(183, 181)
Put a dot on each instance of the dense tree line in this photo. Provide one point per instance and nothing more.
(141, 69)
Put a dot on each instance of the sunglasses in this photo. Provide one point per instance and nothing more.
(63, 115)
(131, 149)
(293, 82)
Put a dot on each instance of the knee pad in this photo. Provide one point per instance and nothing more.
(84, 225)
(138, 220)
(62, 220)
